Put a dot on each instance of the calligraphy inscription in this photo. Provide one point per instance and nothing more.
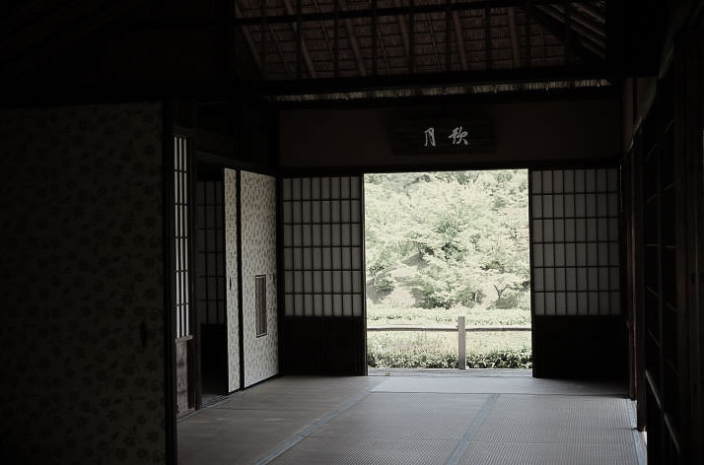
(415, 135)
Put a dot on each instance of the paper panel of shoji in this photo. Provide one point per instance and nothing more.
(575, 242)
(323, 246)
(182, 212)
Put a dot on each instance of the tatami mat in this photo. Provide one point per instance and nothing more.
(494, 385)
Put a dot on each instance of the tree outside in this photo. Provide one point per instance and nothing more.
(443, 244)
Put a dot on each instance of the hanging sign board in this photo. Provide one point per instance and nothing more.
(443, 134)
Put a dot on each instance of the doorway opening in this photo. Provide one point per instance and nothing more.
(447, 250)
(210, 284)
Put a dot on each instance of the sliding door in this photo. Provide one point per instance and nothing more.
(578, 327)
(324, 327)
(260, 335)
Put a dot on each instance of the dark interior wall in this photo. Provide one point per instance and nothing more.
(577, 347)
(237, 132)
(525, 132)
(125, 48)
(664, 169)
(83, 286)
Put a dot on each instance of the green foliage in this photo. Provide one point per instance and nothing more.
(379, 315)
(429, 359)
(439, 350)
(451, 238)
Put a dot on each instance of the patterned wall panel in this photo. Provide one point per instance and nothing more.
(232, 319)
(575, 242)
(82, 294)
(323, 247)
(258, 205)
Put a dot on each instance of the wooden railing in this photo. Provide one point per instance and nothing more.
(461, 330)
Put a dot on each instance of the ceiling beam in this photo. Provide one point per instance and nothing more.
(404, 10)
(426, 80)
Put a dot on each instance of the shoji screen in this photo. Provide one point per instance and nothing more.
(210, 251)
(323, 247)
(575, 242)
(181, 237)
(185, 399)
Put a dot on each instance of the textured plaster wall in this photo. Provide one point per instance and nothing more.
(259, 258)
(233, 325)
(82, 285)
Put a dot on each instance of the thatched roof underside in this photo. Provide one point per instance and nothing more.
(474, 39)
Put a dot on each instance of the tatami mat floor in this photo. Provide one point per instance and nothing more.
(397, 417)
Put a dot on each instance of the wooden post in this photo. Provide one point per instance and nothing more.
(461, 344)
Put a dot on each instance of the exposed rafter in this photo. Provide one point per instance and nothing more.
(403, 10)
(352, 37)
(516, 54)
(460, 40)
(587, 9)
(303, 46)
(587, 39)
(490, 34)
(556, 27)
(280, 52)
(595, 29)
(436, 49)
(404, 29)
(250, 42)
(329, 43)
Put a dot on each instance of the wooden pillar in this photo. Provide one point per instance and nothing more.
(461, 344)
